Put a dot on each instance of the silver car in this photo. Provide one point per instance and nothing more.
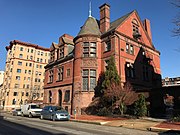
(16, 112)
(54, 113)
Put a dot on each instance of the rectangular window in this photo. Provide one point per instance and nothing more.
(16, 86)
(51, 75)
(68, 72)
(18, 70)
(130, 71)
(20, 63)
(25, 71)
(89, 49)
(15, 94)
(41, 53)
(17, 77)
(31, 57)
(30, 64)
(29, 72)
(21, 48)
(108, 46)
(20, 56)
(38, 53)
(61, 52)
(89, 79)
(129, 49)
(31, 50)
(60, 73)
(67, 96)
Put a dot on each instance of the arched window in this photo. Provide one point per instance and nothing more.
(50, 96)
(135, 28)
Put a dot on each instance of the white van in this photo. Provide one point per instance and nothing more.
(30, 110)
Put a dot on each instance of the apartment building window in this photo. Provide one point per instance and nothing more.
(130, 71)
(61, 52)
(20, 63)
(37, 59)
(27, 86)
(42, 94)
(67, 96)
(27, 94)
(30, 64)
(20, 56)
(31, 50)
(51, 75)
(60, 73)
(26, 64)
(45, 54)
(89, 49)
(37, 66)
(29, 72)
(25, 71)
(129, 49)
(17, 77)
(41, 53)
(28, 78)
(31, 57)
(22, 93)
(24, 78)
(40, 66)
(16, 86)
(68, 72)
(145, 73)
(24, 86)
(21, 48)
(28, 50)
(89, 79)
(38, 53)
(27, 57)
(11, 70)
(41, 60)
(15, 94)
(18, 70)
(107, 46)
(13, 101)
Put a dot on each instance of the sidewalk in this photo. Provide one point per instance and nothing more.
(141, 124)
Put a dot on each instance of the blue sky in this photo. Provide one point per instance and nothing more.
(44, 21)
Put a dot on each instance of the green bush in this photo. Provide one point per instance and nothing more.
(104, 112)
(140, 108)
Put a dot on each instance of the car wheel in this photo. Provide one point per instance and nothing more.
(30, 115)
(41, 117)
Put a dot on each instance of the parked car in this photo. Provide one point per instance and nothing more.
(30, 110)
(54, 113)
(16, 112)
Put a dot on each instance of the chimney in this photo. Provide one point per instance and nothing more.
(147, 27)
(104, 17)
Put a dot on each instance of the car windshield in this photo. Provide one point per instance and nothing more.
(58, 108)
(34, 106)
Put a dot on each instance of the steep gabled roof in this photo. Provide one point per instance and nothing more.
(53, 46)
(90, 27)
(119, 21)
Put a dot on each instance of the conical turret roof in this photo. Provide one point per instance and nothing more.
(90, 27)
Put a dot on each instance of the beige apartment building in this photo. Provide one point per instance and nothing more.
(24, 74)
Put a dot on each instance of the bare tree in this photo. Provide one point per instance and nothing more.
(176, 20)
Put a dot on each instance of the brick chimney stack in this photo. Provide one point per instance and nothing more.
(104, 17)
(147, 27)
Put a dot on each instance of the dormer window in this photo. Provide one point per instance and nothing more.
(89, 49)
(135, 26)
(61, 52)
(52, 56)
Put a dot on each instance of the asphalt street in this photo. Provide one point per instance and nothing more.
(16, 125)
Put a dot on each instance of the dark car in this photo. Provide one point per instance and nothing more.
(54, 113)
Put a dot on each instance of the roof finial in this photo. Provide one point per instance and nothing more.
(90, 9)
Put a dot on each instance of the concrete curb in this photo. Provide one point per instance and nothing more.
(157, 129)
(85, 121)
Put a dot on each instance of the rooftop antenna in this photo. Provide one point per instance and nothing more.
(90, 9)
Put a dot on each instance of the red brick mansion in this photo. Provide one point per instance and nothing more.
(76, 62)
